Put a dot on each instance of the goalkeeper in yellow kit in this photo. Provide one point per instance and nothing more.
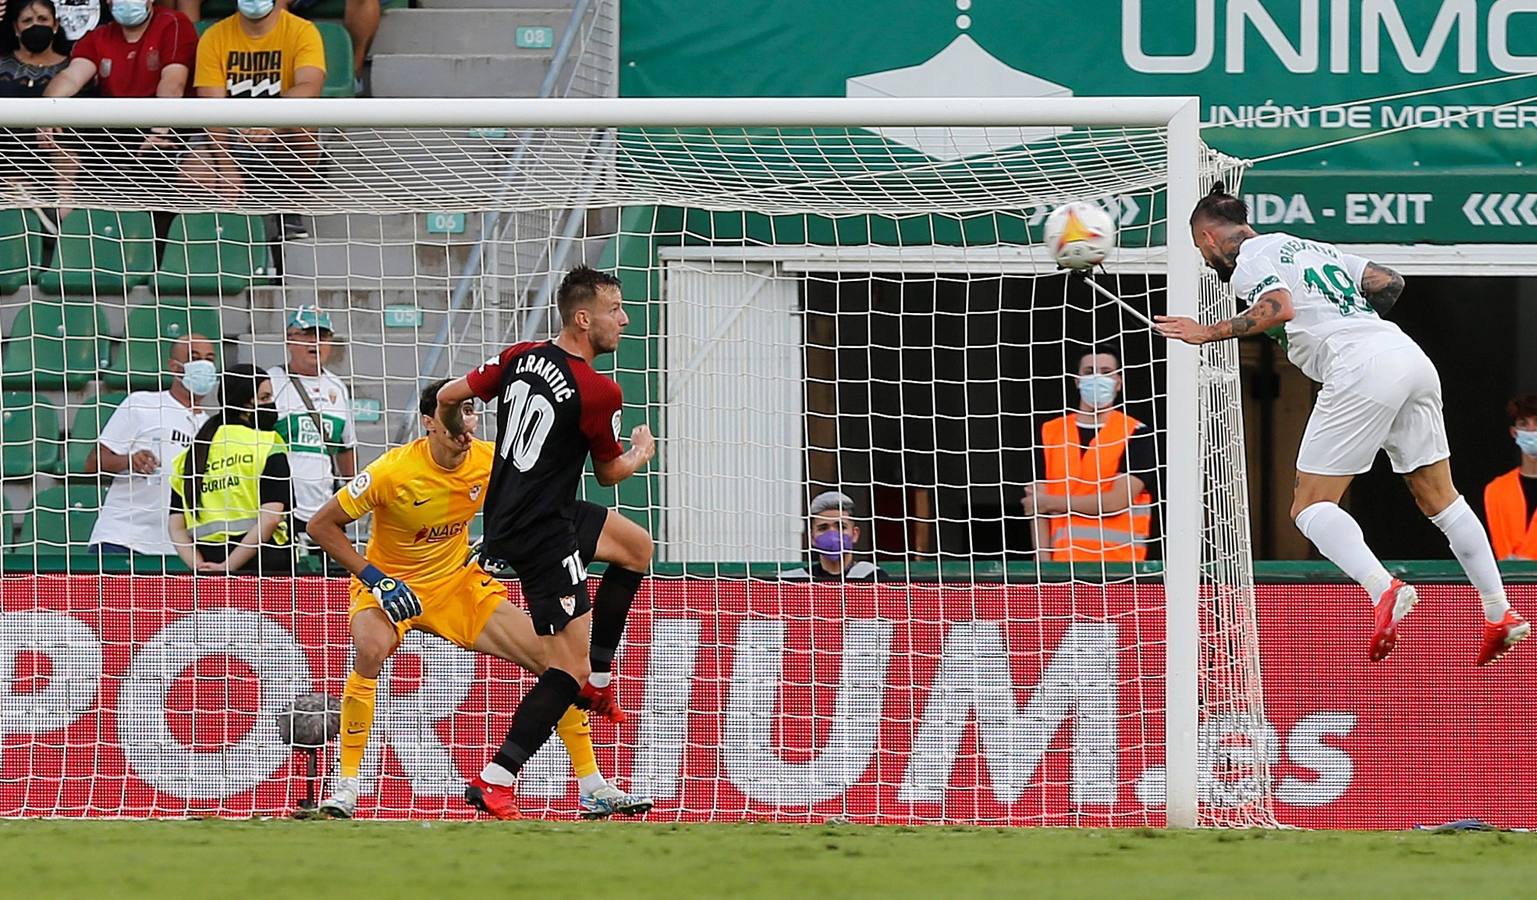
(423, 496)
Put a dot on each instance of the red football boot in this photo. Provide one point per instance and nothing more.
(1392, 606)
(492, 799)
(604, 701)
(1500, 636)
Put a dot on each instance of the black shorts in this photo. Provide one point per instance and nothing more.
(552, 561)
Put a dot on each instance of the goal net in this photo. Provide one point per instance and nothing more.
(823, 296)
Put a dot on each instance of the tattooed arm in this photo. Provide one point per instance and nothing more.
(1269, 311)
(1382, 287)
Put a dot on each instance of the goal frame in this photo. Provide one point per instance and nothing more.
(1179, 116)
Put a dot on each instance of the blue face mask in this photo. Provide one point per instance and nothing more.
(200, 376)
(255, 9)
(833, 544)
(129, 13)
(1097, 390)
(1527, 441)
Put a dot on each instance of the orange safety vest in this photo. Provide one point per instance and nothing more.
(1117, 537)
(1513, 535)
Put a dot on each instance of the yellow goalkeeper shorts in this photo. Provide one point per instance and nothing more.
(456, 608)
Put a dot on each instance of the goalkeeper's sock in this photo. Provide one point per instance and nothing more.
(357, 721)
(575, 731)
(1338, 537)
(1471, 547)
(610, 610)
(531, 725)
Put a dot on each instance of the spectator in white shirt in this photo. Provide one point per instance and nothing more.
(136, 447)
(321, 434)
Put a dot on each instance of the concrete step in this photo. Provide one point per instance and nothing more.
(453, 32)
(514, 74)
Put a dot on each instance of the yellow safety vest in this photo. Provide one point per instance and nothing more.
(230, 498)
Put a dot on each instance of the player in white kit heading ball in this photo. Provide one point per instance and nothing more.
(1380, 392)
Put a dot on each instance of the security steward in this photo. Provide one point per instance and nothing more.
(1510, 501)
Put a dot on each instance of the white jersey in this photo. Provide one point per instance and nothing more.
(136, 507)
(1334, 328)
(309, 454)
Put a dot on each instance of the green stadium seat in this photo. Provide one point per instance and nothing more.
(213, 254)
(338, 45)
(21, 248)
(61, 519)
(101, 251)
(139, 363)
(30, 438)
(54, 345)
(85, 428)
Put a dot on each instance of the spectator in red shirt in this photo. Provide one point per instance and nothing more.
(145, 51)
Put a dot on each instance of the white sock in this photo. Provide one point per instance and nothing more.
(590, 783)
(599, 680)
(495, 774)
(1338, 537)
(1470, 544)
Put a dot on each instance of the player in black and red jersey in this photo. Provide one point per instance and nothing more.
(554, 411)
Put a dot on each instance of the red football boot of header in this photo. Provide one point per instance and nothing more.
(1500, 636)
(604, 701)
(492, 799)
(1392, 606)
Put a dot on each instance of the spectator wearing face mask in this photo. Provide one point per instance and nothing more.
(230, 491)
(1096, 502)
(147, 431)
(832, 535)
(26, 71)
(1510, 501)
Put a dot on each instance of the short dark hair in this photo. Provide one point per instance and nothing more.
(1096, 351)
(428, 404)
(579, 287)
(1522, 407)
(1220, 206)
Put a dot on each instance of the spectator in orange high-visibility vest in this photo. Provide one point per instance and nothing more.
(1510, 501)
(1095, 503)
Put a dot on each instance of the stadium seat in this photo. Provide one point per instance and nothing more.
(101, 251)
(212, 254)
(139, 363)
(62, 518)
(30, 438)
(54, 345)
(21, 248)
(84, 429)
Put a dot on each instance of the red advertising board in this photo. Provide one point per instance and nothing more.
(140, 696)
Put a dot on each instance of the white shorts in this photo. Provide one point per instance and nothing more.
(1390, 402)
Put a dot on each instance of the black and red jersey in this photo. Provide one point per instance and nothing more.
(554, 410)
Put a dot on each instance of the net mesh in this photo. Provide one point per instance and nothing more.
(868, 311)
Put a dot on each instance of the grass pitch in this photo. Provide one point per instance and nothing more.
(552, 860)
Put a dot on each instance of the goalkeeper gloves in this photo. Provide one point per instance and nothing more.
(398, 600)
(494, 565)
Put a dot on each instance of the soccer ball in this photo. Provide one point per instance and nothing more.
(1079, 235)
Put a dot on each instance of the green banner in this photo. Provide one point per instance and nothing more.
(1261, 67)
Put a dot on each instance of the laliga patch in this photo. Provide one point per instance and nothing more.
(616, 424)
(568, 603)
(358, 486)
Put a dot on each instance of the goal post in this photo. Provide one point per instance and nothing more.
(825, 294)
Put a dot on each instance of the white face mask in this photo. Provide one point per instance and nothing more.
(1098, 391)
(1527, 441)
(200, 376)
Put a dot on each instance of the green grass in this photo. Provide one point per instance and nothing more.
(551, 860)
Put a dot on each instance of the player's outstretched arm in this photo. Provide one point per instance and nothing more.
(642, 448)
(1270, 311)
(1382, 287)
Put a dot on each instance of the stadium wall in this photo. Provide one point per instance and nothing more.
(153, 696)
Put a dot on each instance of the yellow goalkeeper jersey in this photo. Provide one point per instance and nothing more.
(422, 511)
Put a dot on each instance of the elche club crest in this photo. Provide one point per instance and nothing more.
(475, 491)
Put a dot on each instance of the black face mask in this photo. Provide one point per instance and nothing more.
(37, 38)
(266, 418)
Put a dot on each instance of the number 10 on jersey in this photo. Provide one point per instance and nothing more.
(529, 420)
